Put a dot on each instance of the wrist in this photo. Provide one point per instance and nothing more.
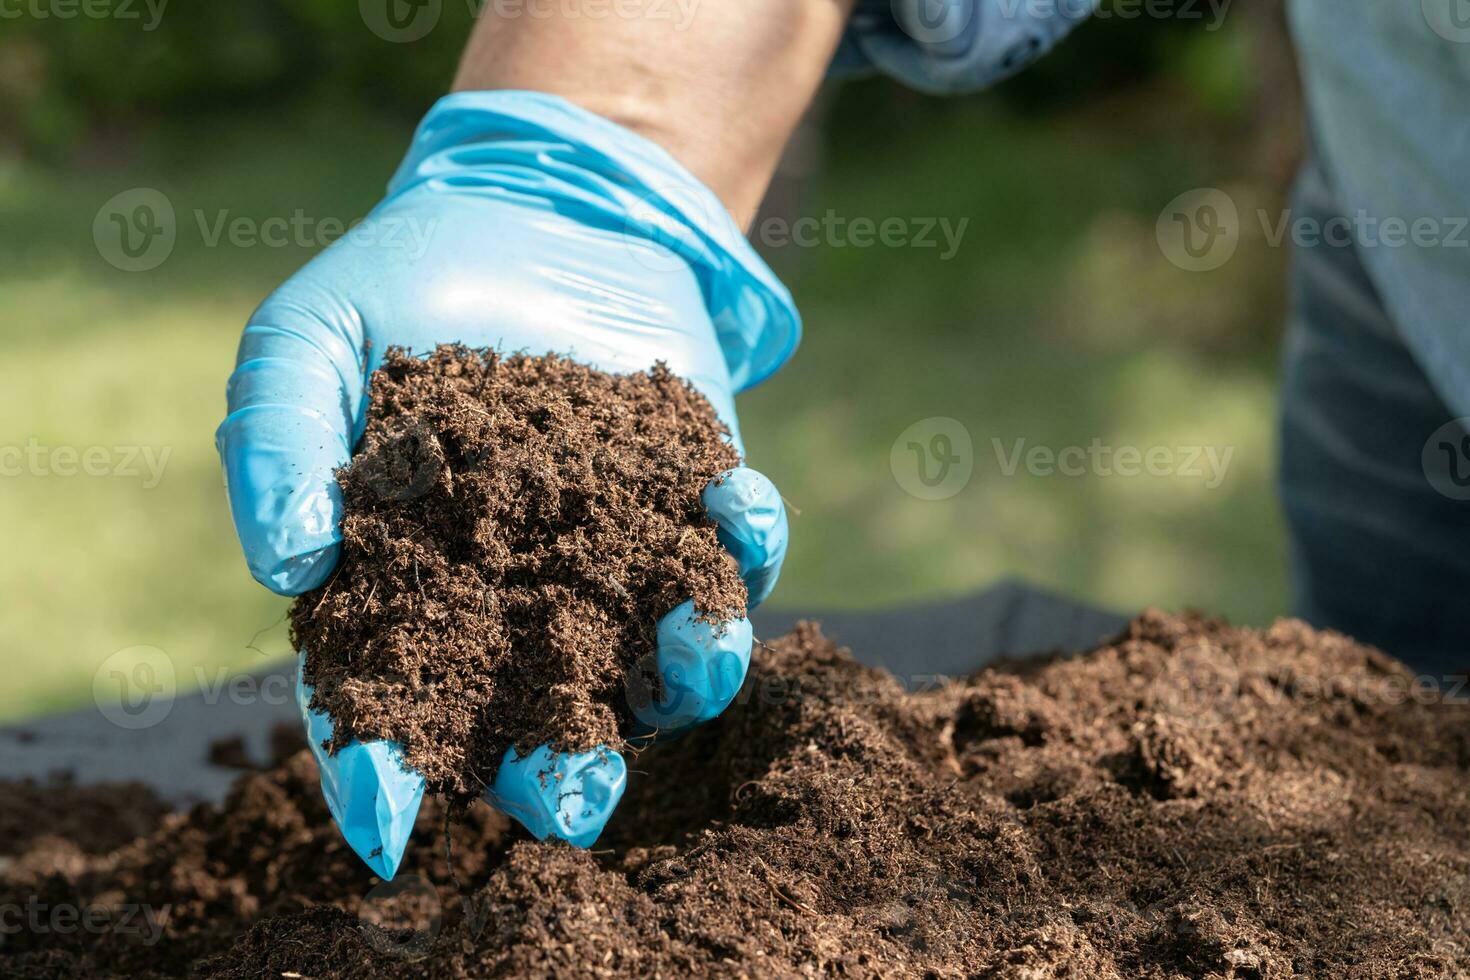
(720, 87)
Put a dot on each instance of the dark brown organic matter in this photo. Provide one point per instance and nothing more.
(1191, 800)
(513, 528)
(94, 820)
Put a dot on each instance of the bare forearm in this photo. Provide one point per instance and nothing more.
(720, 84)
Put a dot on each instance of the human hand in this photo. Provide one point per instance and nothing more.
(946, 47)
(521, 222)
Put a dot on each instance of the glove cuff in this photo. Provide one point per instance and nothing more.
(557, 155)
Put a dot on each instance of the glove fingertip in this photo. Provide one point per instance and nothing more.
(302, 573)
(372, 794)
(701, 668)
(752, 525)
(283, 495)
(570, 795)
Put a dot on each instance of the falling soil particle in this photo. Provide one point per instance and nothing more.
(1189, 800)
(513, 527)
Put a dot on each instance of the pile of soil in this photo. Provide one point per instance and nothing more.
(1189, 800)
(97, 819)
(513, 527)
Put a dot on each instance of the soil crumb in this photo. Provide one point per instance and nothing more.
(1189, 800)
(513, 527)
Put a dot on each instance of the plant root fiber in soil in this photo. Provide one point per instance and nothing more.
(1188, 800)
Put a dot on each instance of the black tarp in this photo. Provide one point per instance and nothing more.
(919, 644)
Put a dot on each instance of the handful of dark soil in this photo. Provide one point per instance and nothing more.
(513, 527)
(1190, 800)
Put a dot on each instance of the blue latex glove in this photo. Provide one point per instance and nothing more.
(520, 222)
(944, 47)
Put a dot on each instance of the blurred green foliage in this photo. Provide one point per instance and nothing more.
(1058, 322)
(69, 75)
(65, 74)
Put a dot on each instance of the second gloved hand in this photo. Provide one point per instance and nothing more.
(947, 47)
(521, 222)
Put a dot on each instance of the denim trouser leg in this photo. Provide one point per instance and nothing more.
(1377, 551)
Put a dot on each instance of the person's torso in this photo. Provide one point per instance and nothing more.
(1388, 90)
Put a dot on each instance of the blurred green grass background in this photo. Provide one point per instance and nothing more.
(1058, 322)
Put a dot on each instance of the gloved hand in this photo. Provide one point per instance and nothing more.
(944, 47)
(521, 222)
